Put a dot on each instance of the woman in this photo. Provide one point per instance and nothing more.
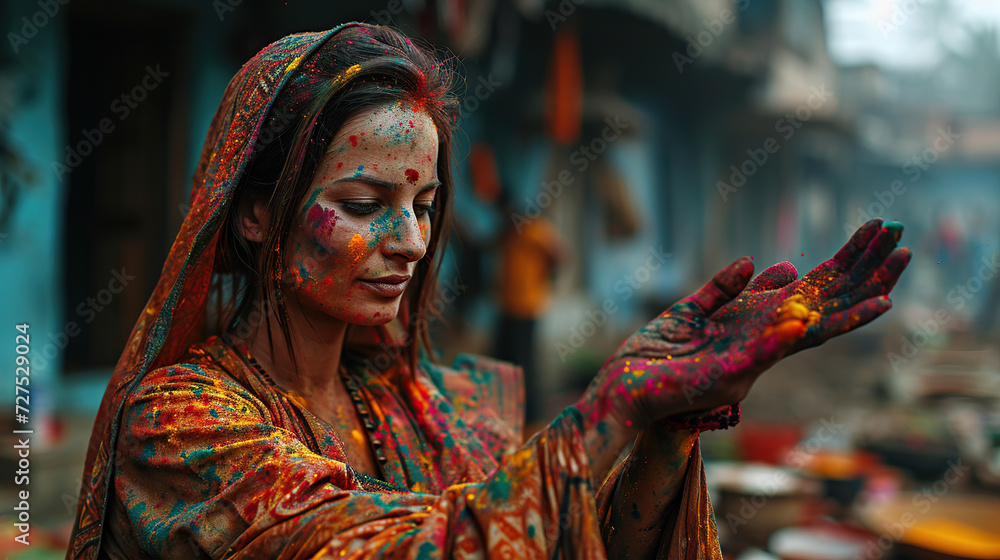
(315, 426)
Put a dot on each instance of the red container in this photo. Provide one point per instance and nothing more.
(766, 442)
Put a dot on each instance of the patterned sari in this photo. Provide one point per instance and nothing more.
(195, 453)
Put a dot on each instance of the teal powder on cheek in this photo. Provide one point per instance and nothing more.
(386, 224)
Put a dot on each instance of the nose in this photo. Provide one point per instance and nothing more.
(404, 239)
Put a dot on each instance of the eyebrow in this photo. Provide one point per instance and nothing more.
(384, 184)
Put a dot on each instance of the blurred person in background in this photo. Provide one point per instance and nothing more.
(530, 253)
(313, 422)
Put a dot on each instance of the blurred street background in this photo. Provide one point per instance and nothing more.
(612, 156)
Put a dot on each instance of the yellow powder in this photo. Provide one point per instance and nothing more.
(953, 538)
(357, 247)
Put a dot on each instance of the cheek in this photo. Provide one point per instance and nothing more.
(425, 231)
(322, 221)
(356, 248)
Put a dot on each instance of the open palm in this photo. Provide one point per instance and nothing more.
(706, 350)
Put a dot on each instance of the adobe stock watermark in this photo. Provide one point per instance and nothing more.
(30, 26)
(224, 7)
(483, 90)
(902, 11)
(122, 106)
(390, 354)
(627, 285)
(797, 458)
(582, 157)
(922, 502)
(786, 127)
(261, 311)
(715, 369)
(914, 168)
(958, 297)
(713, 29)
(86, 311)
(563, 11)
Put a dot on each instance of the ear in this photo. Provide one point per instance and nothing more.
(254, 221)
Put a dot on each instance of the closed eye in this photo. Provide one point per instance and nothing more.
(360, 208)
(424, 208)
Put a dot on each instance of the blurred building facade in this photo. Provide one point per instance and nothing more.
(665, 138)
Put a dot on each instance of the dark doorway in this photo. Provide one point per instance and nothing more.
(126, 105)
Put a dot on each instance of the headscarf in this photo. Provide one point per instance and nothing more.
(174, 316)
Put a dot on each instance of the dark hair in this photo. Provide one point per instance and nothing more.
(359, 68)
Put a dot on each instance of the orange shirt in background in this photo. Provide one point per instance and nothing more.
(527, 261)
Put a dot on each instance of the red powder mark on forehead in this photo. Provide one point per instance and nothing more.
(354, 140)
(411, 124)
(412, 175)
(340, 164)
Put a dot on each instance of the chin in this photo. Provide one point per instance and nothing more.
(373, 316)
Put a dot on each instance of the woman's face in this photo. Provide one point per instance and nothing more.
(365, 219)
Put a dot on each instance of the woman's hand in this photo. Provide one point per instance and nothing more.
(707, 350)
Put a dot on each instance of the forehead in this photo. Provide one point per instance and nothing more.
(395, 125)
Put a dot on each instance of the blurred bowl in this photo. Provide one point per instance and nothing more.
(842, 473)
(757, 499)
(828, 541)
(930, 524)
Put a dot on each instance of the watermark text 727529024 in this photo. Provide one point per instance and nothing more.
(22, 401)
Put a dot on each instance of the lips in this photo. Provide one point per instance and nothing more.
(386, 286)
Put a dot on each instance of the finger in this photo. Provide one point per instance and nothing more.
(851, 250)
(724, 286)
(774, 277)
(880, 283)
(876, 253)
(846, 321)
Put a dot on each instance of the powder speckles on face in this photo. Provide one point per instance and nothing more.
(380, 224)
(357, 248)
(412, 175)
(390, 224)
(322, 219)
